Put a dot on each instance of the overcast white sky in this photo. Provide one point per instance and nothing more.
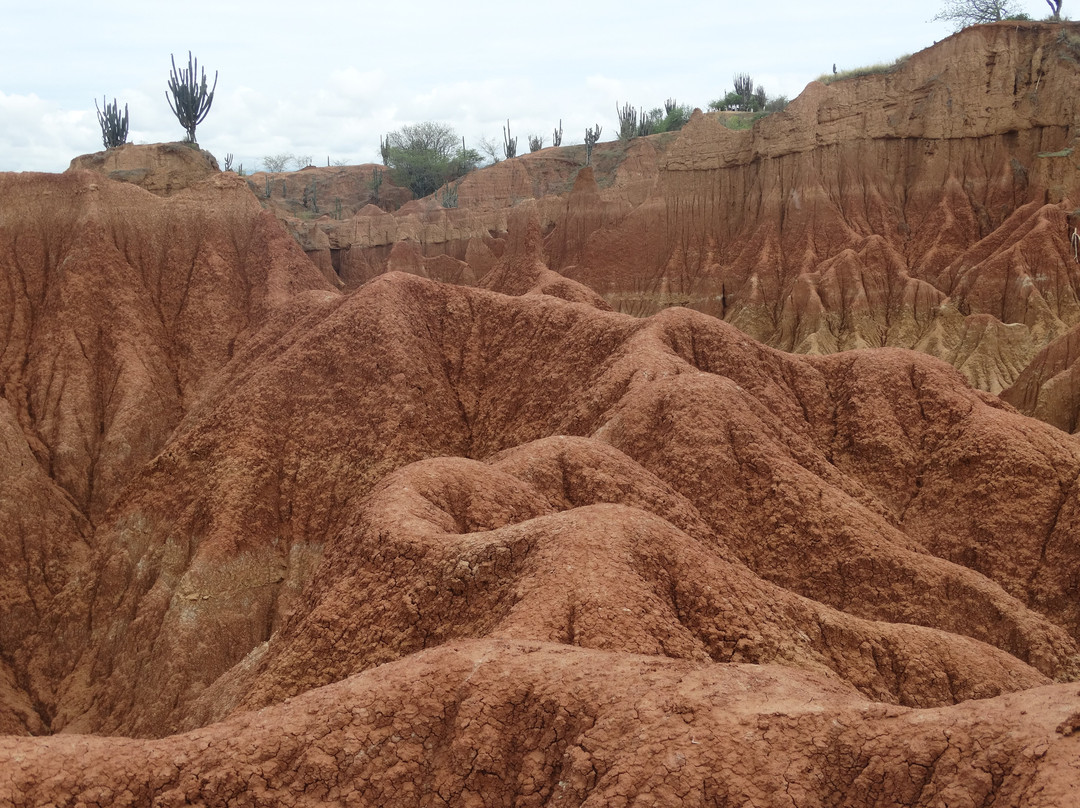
(326, 78)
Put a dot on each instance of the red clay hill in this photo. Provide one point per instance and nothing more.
(927, 207)
(496, 542)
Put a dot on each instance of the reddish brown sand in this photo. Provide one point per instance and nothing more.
(494, 543)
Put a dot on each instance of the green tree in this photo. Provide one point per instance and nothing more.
(748, 98)
(676, 116)
(744, 98)
(776, 104)
(425, 156)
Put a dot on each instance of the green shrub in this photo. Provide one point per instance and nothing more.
(742, 120)
(425, 156)
(747, 98)
(776, 104)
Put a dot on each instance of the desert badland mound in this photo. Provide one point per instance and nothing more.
(928, 207)
(493, 542)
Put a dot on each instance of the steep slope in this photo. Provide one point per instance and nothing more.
(474, 537)
(928, 207)
(254, 517)
(119, 305)
(883, 210)
(455, 478)
(116, 308)
(1049, 387)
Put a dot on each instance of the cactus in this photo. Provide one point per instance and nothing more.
(448, 196)
(556, 136)
(376, 184)
(648, 123)
(384, 149)
(509, 143)
(744, 88)
(228, 161)
(114, 129)
(190, 99)
(536, 143)
(761, 98)
(628, 121)
(591, 136)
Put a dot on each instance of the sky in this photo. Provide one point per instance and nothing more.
(326, 79)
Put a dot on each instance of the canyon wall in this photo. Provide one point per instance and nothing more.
(928, 207)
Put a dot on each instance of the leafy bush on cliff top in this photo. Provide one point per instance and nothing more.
(425, 156)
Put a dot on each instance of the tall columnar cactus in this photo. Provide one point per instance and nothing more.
(744, 88)
(311, 195)
(114, 128)
(376, 184)
(591, 136)
(190, 99)
(509, 143)
(647, 123)
(556, 136)
(628, 121)
(448, 196)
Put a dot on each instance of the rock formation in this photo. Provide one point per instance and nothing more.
(162, 169)
(491, 722)
(1049, 387)
(383, 477)
(927, 207)
(471, 535)
(118, 308)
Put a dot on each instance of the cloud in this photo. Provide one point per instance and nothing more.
(34, 131)
(355, 85)
(348, 73)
